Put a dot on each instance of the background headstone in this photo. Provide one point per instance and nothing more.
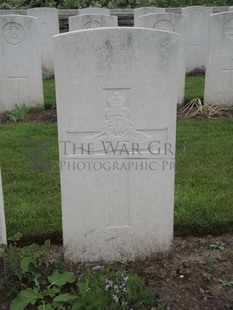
(20, 62)
(2, 216)
(174, 23)
(48, 26)
(92, 21)
(219, 70)
(119, 85)
(145, 10)
(197, 32)
(92, 10)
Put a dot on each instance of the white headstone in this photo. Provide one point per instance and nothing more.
(115, 88)
(92, 21)
(174, 23)
(48, 26)
(20, 62)
(196, 36)
(3, 239)
(145, 10)
(219, 70)
(92, 10)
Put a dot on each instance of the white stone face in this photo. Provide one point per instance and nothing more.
(92, 10)
(48, 27)
(143, 11)
(92, 21)
(116, 84)
(174, 23)
(2, 216)
(196, 36)
(20, 62)
(219, 70)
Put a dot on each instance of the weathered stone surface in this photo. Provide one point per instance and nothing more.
(145, 10)
(48, 26)
(92, 10)
(91, 21)
(196, 36)
(174, 23)
(116, 88)
(219, 70)
(20, 62)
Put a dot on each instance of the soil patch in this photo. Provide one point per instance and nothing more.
(50, 116)
(192, 277)
(34, 116)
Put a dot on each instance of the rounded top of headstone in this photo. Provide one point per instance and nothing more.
(118, 30)
(41, 9)
(147, 8)
(93, 10)
(18, 16)
(197, 10)
(163, 14)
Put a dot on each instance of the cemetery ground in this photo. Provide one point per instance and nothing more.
(199, 273)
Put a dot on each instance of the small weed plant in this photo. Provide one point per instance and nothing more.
(20, 113)
(207, 276)
(32, 281)
(218, 246)
(226, 283)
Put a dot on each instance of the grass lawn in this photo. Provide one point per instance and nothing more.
(194, 87)
(204, 175)
(49, 93)
(32, 198)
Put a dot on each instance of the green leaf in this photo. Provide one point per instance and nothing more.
(25, 263)
(3, 246)
(218, 245)
(45, 307)
(226, 283)
(15, 237)
(52, 291)
(25, 298)
(32, 250)
(76, 306)
(65, 298)
(47, 245)
(60, 279)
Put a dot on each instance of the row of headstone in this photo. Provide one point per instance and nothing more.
(116, 92)
(193, 46)
(117, 144)
(216, 52)
(21, 78)
(3, 239)
(196, 38)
